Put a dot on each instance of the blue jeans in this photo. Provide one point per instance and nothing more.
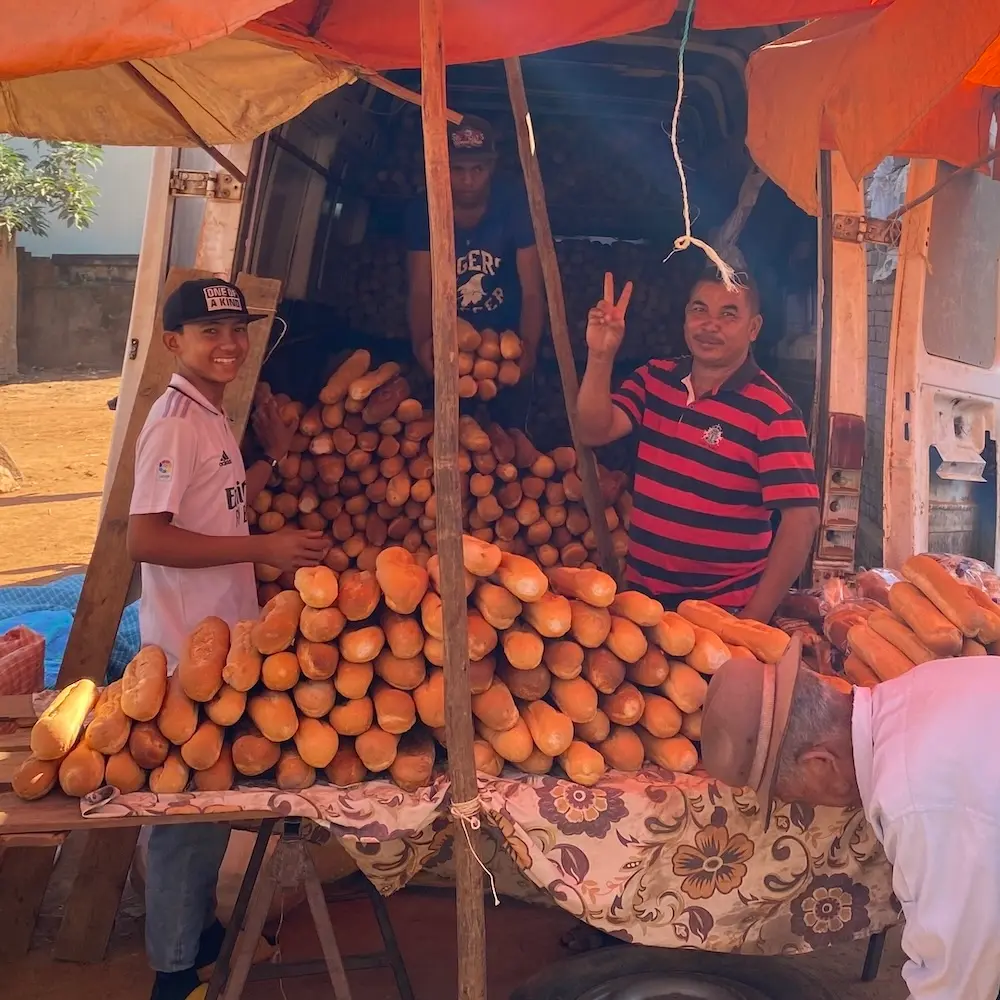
(181, 874)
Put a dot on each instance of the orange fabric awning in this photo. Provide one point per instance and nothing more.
(916, 78)
(715, 15)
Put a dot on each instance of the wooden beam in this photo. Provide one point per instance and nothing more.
(24, 877)
(458, 709)
(586, 462)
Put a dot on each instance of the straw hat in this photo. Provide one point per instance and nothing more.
(745, 719)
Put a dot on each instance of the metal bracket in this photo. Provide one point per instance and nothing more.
(861, 229)
(205, 184)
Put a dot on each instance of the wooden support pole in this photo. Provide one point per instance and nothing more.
(458, 708)
(586, 463)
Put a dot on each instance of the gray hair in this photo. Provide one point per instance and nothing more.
(819, 711)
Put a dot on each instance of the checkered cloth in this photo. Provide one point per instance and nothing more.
(22, 665)
(48, 609)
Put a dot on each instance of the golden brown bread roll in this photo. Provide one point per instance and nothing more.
(220, 776)
(495, 707)
(603, 669)
(292, 773)
(550, 616)
(352, 680)
(945, 592)
(523, 578)
(203, 749)
(588, 585)
(709, 652)
(767, 644)
(480, 558)
(317, 660)
(582, 763)
(402, 580)
(108, 730)
(481, 636)
(273, 713)
(361, 645)
(432, 615)
(171, 777)
(527, 685)
(413, 765)
(673, 634)
(278, 623)
(660, 716)
(403, 635)
(685, 687)
(590, 625)
(317, 586)
(316, 741)
(428, 697)
(990, 631)
(346, 768)
(395, 710)
(593, 732)
(359, 594)
(204, 658)
(523, 647)
(352, 717)
(880, 654)
(887, 625)
(178, 718)
(930, 626)
(577, 698)
(147, 745)
(227, 707)
(626, 640)
(625, 706)
(321, 624)
(81, 771)
(564, 658)
(650, 670)
(487, 759)
(253, 754)
(376, 748)
(677, 753)
(622, 750)
(243, 661)
(405, 674)
(35, 778)
(514, 744)
(858, 672)
(691, 725)
(481, 673)
(551, 730)
(123, 773)
(314, 699)
(280, 671)
(638, 608)
(498, 606)
(144, 684)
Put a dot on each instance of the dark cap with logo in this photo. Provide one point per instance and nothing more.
(472, 139)
(204, 300)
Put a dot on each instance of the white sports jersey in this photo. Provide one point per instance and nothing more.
(187, 463)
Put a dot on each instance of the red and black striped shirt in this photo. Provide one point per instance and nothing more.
(708, 473)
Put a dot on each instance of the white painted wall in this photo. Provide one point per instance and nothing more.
(123, 180)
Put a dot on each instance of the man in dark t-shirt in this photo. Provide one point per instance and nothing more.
(497, 270)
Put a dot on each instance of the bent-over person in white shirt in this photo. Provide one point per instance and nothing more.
(919, 754)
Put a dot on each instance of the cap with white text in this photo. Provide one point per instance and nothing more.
(205, 300)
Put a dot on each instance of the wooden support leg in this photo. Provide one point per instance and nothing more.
(324, 929)
(89, 916)
(24, 877)
(873, 957)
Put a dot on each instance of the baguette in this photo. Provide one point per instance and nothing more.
(858, 672)
(582, 763)
(948, 595)
(878, 653)
(991, 614)
(929, 625)
(673, 634)
(35, 778)
(622, 749)
(887, 625)
(58, 727)
(638, 608)
(81, 771)
(144, 684)
(709, 652)
(204, 659)
(108, 732)
(767, 644)
(353, 368)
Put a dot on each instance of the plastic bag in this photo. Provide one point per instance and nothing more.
(845, 616)
(974, 572)
(874, 584)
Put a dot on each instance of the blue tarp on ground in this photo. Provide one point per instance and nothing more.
(48, 609)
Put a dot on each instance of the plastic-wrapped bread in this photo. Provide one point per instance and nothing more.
(990, 632)
(677, 753)
(352, 717)
(144, 685)
(413, 765)
(243, 661)
(685, 687)
(582, 763)
(81, 771)
(551, 730)
(624, 707)
(673, 634)
(577, 698)
(346, 768)
(317, 586)
(622, 749)
(109, 729)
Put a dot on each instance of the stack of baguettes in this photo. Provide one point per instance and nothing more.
(343, 674)
(931, 616)
(361, 470)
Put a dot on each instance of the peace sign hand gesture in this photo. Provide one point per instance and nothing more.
(606, 321)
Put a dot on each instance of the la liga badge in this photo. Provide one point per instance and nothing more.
(164, 470)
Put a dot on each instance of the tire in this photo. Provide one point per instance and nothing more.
(574, 978)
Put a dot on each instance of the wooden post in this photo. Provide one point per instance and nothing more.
(458, 708)
(586, 463)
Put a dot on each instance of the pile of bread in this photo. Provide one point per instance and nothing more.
(342, 675)
(931, 615)
(361, 468)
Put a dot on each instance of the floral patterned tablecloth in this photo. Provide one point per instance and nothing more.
(653, 858)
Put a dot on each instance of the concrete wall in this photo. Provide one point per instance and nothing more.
(73, 310)
(879, 320)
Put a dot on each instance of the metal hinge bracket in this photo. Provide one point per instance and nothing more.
(205, 184)
(861, 229)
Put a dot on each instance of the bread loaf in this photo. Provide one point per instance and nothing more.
(413, 765)
(273, 713)
(603, 669)
(650, 670)
(677, 753)
(376, 748)
(109, 729)
(550, 615)
(480, 558)
(624, 707)
(278, 623)
(144, 684)
(35, 778)
(514, 744)
(122, 772)
(523, 647)
(243, 661)
(147, 745)
(317, 661)
(593, 732)
(352, 717)
(660, 716)
(551, 730)
(402, 581)
(709, 652)
(81, 771)
(970, 647)
(526, 685)
(990, 632)
(361, 645)
(359, 594)
(171, 777)
(576, 698)
(204, 658)
(488, 761)
(432, 615)
(673, 634)
(280, 671)
(691, 725)
(887, 625)
(395, 710)
(321, 624)
(622, 750)
(178, 718)
(292, 773)
(353, 680)
(495, 707)
(203, 749)
(498, 606)
(638, 608)
(590, 625)
(346, 768)
(685, 687)
(564, 659)
(929, 625)
(858, 672)
(253, 754)
(314, 699)
(428, 697)
(582, 763)
(220, 776)
(481, 637)
(946, 593)
(878, 653)
(536, 763)
(317, 586)
(588, 585)
(625, 640)
(402, 634)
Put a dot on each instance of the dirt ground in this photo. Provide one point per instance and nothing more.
(57, 428)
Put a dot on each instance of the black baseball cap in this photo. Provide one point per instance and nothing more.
(204, 300)
(472, 139)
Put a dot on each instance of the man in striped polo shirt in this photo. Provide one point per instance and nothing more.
(720, 447)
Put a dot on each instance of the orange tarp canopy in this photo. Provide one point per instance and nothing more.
(713, 15)
(915, 78)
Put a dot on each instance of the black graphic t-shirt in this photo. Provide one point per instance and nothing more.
(489, 293)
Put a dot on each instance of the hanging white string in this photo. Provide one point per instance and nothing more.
(726, 272)
(467, 813)
(277, 343)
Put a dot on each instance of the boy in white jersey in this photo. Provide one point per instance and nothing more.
(188, 529)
